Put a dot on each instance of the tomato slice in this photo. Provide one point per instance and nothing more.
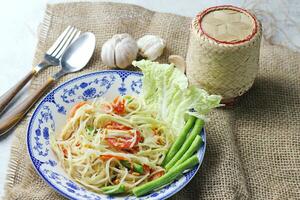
(125, 143)
(107, 157)
(120, 142)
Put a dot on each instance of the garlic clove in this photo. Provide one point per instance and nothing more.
(122, 57)
(108, 53)
(146, 42)
(125, 52)
(154, 51)
(151, 46)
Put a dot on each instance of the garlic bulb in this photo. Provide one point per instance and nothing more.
(119, 51)
(151, 46)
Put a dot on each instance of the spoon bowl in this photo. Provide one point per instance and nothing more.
(78, 54)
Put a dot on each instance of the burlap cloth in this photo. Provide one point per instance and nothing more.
(253, 149)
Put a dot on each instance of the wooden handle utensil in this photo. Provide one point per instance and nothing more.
(10, 119)
(11, 93)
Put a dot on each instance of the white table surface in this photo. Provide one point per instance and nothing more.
(19, 21)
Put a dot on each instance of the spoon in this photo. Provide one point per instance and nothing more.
(76, 56)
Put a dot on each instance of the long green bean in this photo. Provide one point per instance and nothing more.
(166, 178)
(196, 130)
(114, 189)
(191, 150)
(180, 139)
(136, 167)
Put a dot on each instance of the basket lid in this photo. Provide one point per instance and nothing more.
(227, 24)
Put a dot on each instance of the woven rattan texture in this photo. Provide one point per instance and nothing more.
(252, 149)
(225, 69)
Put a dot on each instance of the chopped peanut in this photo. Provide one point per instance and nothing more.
(135, 173)
(160, 141)
(116, 181)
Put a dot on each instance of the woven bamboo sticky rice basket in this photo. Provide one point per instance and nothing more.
(223, 53)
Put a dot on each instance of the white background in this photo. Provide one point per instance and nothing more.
(19, 20)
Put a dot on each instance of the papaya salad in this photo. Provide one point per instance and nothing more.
(135, 144)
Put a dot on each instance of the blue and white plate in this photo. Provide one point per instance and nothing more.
(50, 116)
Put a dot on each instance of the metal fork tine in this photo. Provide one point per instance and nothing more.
(59, 40)
(58, 56)
(63, 42)
(76, 36)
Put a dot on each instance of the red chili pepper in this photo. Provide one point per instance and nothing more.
(65, 151)
(119, 106)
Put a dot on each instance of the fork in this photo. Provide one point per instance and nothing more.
(51, 58)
